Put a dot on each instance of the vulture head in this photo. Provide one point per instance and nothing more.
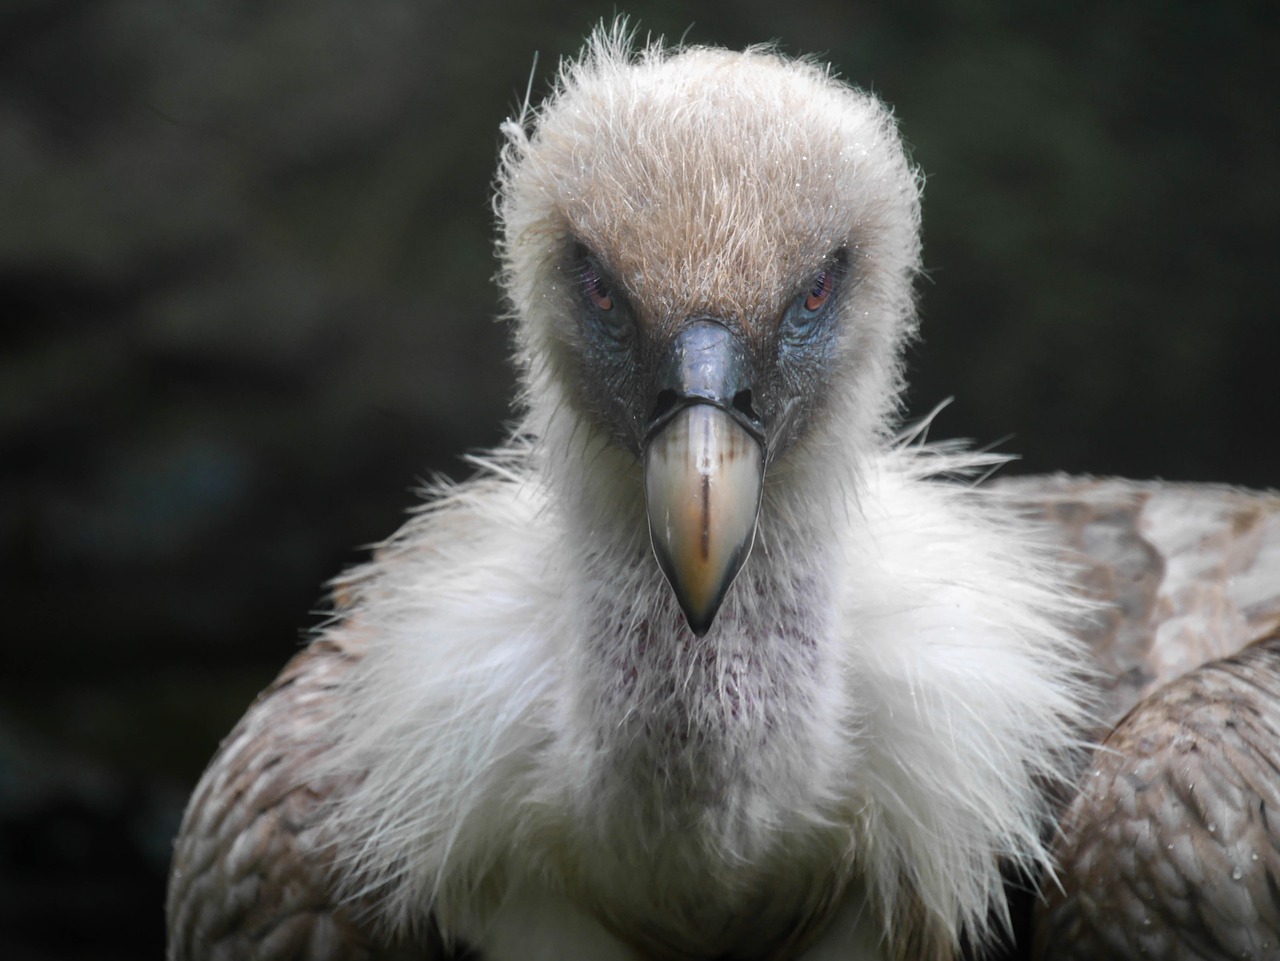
(710, 259)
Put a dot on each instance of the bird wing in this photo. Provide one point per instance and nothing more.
(1170, 847)
(250, 875)
(1181, 574)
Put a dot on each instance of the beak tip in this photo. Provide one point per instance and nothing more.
(700, 621)
(699, 612)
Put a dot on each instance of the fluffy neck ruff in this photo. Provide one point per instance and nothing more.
(882, 700)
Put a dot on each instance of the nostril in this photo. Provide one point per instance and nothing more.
(742, 404)
(666, 400)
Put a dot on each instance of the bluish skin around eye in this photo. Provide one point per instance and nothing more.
(611, 326)
(808, 337)
(607, 330)
(606, 314)
(610, 367)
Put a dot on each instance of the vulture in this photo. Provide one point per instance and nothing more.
(712, 661)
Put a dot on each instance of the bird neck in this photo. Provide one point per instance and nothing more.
(667, 719)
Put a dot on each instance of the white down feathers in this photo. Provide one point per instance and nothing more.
(877, 709)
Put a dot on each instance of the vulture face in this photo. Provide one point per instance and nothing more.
(710, 283)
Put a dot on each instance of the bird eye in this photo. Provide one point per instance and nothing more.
(823, 286)
(811, 312)
(598, 293)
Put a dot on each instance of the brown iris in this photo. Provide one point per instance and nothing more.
(820, 292)
(598, 292)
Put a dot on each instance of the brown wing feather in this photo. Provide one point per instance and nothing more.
(250, 877)
(1182, 573)
(1171, 847)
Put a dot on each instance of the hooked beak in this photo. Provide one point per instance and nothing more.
(703, 469)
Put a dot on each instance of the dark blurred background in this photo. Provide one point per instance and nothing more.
(245, 300)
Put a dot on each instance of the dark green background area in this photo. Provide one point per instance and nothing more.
(246, 305)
